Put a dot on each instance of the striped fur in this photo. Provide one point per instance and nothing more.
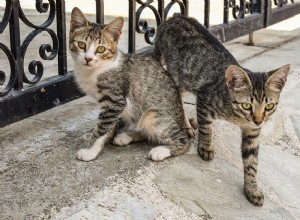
(131, 89)
(199, 63)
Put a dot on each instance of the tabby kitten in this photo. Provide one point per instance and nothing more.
(131, 88)
(199, 63)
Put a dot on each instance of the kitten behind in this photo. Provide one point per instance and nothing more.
(199, 63)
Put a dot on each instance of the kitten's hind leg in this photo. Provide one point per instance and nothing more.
(205, 148)
(174, 149)
(161, 128)
(126, 138)
(191, 124)
(250, 149)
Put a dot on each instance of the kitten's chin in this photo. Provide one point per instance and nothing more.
(88, 66)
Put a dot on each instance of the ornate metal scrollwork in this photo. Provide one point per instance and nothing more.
(13, 75)
(6, 16)
(281, 3)
(239, 11)
(143, 25)
(13, 12)
(182, 5)
(36, 67)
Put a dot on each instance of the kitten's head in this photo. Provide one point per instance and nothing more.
(255, 96)
(93, 45)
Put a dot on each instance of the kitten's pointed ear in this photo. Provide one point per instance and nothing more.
(77, 19)
(114, 28)
(277, 78)
(236, 78)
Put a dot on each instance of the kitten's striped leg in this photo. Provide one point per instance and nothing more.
(205, 149)
(250, 148)
(99, 141)
(106, 127)
(125, 138)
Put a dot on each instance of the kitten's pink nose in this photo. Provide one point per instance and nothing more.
(257, 122)
(87, 59)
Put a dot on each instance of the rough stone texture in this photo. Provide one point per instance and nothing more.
(215, 187)
(39, 170)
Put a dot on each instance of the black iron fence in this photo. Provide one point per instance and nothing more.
(18, 101)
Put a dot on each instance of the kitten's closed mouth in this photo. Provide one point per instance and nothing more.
(87, 65)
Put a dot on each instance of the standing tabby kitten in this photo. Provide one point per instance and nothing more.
(199, 63)
(135, 89)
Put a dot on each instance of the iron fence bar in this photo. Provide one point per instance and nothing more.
(206, 13)
(47, 94)
(226, 12)
(15, 43)
(161, 9)
(131, 26)
(100, 11)
(186, 4)
(61, 34)
(225, 32)
(280, 13)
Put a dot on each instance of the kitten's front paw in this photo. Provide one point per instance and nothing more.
(122, 139)
(86, 155)
(159, 153)
(206, 155)
(255, 197)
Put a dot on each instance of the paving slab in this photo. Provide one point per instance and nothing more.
(39, 169)
(216, 187)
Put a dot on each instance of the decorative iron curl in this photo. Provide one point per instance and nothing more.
(239, 11)
(13, 75)
(42, 8)
(171, 4)
(36, 68)
(6, 16)
(281, 3)
(142, 25)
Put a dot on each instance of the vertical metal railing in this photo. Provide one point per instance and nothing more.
(15, 44)
(61, 33)
(100, 11)
(131, 26)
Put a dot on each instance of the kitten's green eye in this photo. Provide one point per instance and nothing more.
(246, 106)
(81, 45)
(269, 106)
(100, 49)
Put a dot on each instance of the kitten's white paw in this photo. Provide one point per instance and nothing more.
(159, 153)
(122, 139)
(86, 155)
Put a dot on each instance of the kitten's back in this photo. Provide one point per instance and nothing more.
(192, 54)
